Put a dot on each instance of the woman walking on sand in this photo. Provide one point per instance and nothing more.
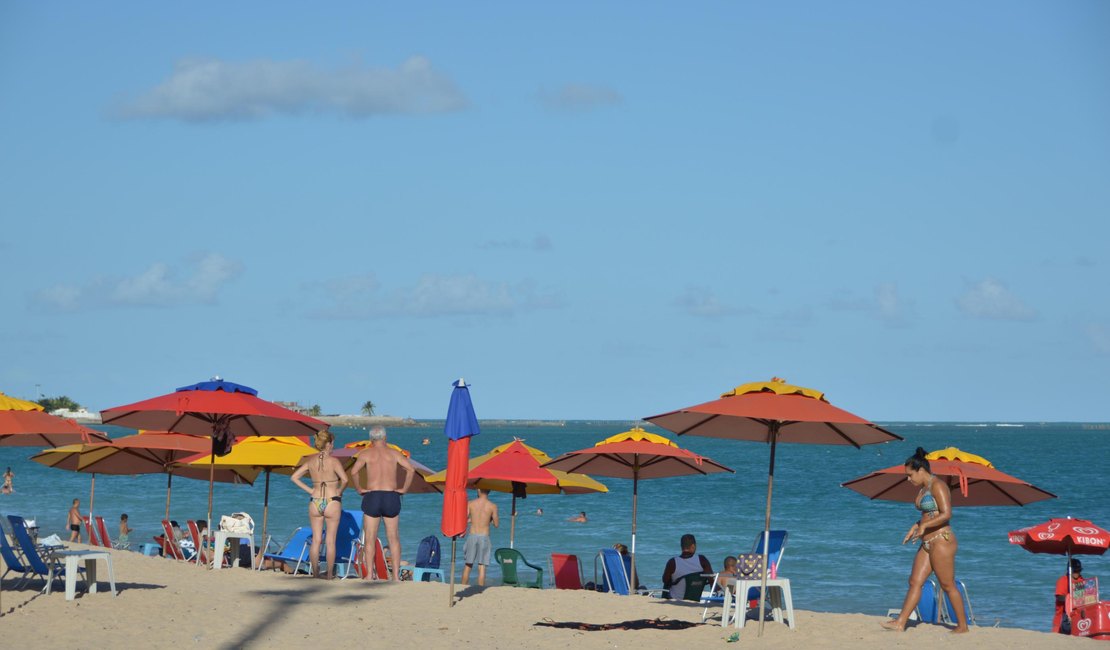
(324, 502)
(937, 553)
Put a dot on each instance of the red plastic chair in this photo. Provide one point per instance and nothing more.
(169, 546)
(198, 541)
(566, 571)
(93, 541)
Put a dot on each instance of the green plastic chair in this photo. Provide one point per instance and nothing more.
(509, 559)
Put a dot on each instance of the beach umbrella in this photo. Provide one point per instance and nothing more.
(1065, 536)
(148, 452)
(419, 484)
(281, 454)
(972, 479)
(636, 454)
(25, 424)
(216, 408)
(773, 412)
(565, 482)
(460, 426)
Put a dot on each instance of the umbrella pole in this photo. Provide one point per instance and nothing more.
(266, 506)
(92, 494)
(774, 431)
(169, 483)
(512, 524)
(451, 593)
(211, 481)
(635, 489)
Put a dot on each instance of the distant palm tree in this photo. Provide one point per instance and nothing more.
(368, 408)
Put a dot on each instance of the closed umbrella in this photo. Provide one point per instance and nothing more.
(565, 483)
(636, 454)
(972, 480)
(773, 412)
(460, 426)
(216, 408)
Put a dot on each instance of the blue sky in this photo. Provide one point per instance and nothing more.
(589, 210)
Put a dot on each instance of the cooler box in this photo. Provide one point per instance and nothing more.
(1092, 621)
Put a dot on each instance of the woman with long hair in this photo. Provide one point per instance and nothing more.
(937, 553)
(325, 498)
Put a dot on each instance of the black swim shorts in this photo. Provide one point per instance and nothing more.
(75, 527)
(381, 503)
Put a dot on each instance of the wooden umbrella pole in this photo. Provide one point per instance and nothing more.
(774, 431)
(512, 524)
(451, 593)
(92, 496)
(169, 483)
(211, 481)
(266, 506)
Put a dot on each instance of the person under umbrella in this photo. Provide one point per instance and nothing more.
(325, 498)
(937, 553)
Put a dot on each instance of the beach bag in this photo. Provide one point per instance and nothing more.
(749, 566)
(238, 523)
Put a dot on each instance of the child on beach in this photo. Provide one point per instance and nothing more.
(74, 521)
(123, 541)
(729, 571)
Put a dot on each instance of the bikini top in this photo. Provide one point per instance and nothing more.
(927, 503)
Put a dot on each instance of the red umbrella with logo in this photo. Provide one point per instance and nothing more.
(217, 408)
(773, 412)
(1063, 537)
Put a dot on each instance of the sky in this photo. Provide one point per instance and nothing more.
(587, 210)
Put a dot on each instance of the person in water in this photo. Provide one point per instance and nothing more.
(8, 486)
(937, 553)
(324, 499)
(580, 518)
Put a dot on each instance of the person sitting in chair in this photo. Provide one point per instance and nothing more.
(689, 562)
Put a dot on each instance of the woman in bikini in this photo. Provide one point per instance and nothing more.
(324, 503)
(937, 553)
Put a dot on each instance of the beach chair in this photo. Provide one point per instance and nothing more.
(565, 571)
(170, 548)
(102, 530)
(509, 560)
(948, 613)
(427, 561)
(614, 573)
(928, 608)
(198, 542)
(39, 564)
(774, 555)
(710, 597)
(346, 542)
(294, 552)
(93, 540)
(12, 561)
(380, 570)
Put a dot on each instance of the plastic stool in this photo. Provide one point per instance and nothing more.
(418, 574)
(150, 549)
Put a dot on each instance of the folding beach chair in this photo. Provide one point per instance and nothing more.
(566, 572)
(928, 607)
(380, 569)
(948, 613)
(710, 597)
(614, 574)
(39, 564)
(12, 561)
(102, 530)
(295, 551)
(170, 548)
(198, 542)
(93, 539)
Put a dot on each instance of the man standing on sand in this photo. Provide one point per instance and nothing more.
(75, 521)
(380, 498)
(481, 512)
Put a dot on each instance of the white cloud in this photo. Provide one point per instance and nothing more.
(433, 295)
(702, 302)
(198, 281)
(210, 89)
(990, 299)
(579, 97)
(886, 305)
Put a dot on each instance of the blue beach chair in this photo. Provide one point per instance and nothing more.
(295, 551)
(346, 542)
(427, 560)
(12, 561)
(948, 613)
(774, 554)
(37, 563)
(928, 607)
(614, 574)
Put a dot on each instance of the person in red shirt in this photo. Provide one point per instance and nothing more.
(1063, 593)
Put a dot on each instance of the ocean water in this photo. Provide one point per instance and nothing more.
(843, 553)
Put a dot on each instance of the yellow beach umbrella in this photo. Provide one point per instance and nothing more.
(281, 454)
(8, 403)
(565, 482)
(419, 483)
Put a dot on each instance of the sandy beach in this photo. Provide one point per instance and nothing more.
(162, 601)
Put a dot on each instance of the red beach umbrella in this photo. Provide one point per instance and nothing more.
(972, 479)
(25, 424)
(518, 466)
(460, 426)
(219, 409)
(635, 454)
(1063, 537)
(773, 412)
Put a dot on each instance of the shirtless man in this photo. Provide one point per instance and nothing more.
(75, 521)
(381, 499)
(481, 512)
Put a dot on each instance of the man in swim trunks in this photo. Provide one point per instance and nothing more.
(381, 498)
(75, 521)
(481, 512)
